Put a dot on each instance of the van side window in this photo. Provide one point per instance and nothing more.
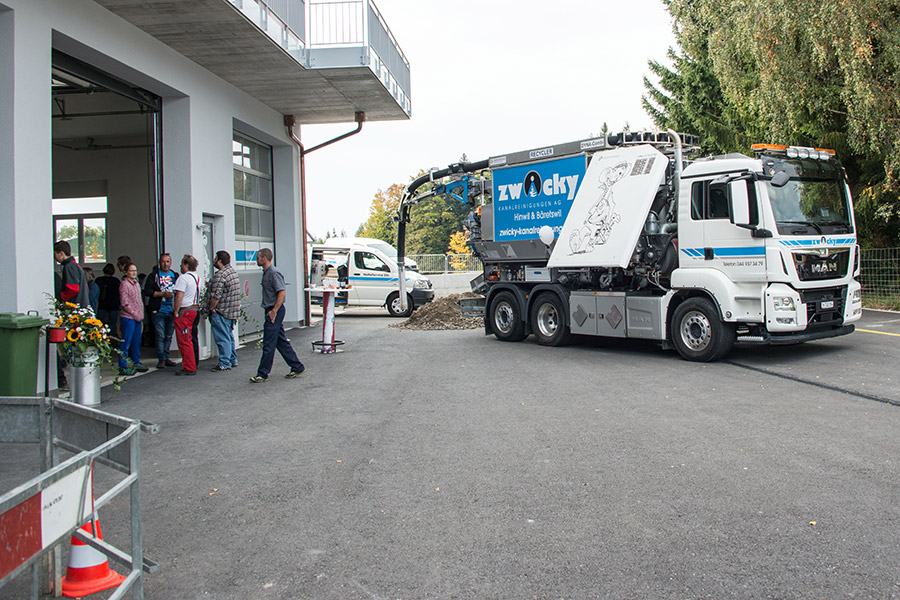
(369, 262)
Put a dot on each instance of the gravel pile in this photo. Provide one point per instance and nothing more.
(442, 313)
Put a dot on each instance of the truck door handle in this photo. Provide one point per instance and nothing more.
(708, 253)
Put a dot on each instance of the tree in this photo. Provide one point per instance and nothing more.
(809, 72)
(382, 212)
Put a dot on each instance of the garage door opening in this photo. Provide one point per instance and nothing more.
(107, 166)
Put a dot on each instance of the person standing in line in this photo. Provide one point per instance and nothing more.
(73, 287)
(186, 309)
(132, 315)
(108, 301)
(224, 309)
(93, 289)
(74, 284)
(273, 295)
(122, 262)
(159, 289)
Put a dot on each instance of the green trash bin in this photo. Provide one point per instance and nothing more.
(19, 336)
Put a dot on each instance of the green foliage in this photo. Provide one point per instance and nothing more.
(382, 212)
(818, 73)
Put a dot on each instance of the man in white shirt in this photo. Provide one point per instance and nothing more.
(186, 308)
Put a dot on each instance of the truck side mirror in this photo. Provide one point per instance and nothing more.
(780, 179)
(740, 203)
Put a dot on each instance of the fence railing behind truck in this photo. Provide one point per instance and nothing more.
(447, 263)
(880, 277)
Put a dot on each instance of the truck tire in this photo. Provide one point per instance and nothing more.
(548, 321)
(698, 333)
(506, 317)
(393, 305)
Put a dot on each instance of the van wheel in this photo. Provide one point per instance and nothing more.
(697, 332)
(506, 317)
(548, 321)
(394, 308)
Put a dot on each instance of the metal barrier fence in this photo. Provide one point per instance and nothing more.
(447, 263)
(880, 277)
(40, 515)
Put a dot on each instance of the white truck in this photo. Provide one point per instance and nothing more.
(621, 236)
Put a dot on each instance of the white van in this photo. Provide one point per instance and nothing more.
(372, 276)
(385, 248)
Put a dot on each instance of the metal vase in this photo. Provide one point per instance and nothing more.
(84, 378)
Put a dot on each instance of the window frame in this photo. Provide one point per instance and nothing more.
(261, 208)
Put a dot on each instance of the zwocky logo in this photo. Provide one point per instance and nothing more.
(532, 184)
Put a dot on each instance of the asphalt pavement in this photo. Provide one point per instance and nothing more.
(447, 464)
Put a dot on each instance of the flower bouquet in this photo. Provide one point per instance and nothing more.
(87, 340)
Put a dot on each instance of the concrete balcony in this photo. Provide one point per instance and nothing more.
(320, 60)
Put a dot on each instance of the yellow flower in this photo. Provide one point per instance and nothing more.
(74, 318)
(94, 322)
(58, 323)
(72, 305)
(73, 335)
(96, 336)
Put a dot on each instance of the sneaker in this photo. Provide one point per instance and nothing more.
(184, 372)
(140, 368)
(258, 379)
(171, 363)
(219, 369)
(161, 364)
(126, 372)
(293, 374)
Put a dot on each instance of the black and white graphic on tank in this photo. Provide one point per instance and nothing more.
(610, 208)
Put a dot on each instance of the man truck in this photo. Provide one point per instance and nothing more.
(623, 236)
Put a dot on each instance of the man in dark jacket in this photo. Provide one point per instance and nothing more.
(159, 288)
(74, 286)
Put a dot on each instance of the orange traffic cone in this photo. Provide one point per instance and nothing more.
(88, 571)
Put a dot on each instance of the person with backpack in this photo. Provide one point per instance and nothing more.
(108, 301)
(159, 289)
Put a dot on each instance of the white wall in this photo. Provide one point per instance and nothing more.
(199, 112)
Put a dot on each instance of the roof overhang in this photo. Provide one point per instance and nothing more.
(218, 37)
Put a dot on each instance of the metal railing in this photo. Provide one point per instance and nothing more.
(880, 277)
(339, 24)
(92, 437)
(333, 34)
(447, 263)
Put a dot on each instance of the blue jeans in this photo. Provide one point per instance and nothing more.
(223, 333)
(131, 342)
(164, 325)
(275, 339)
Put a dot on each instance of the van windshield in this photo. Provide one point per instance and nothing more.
(386, 248)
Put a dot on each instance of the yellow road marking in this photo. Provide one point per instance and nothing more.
(881, 332)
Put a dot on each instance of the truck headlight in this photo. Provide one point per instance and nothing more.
(422, 284)
(783, 303)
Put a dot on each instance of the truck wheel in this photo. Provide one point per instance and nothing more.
(393, 305)
(506, 318)
(548, 321)
(697, 332)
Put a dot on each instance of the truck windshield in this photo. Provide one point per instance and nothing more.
(810, 207)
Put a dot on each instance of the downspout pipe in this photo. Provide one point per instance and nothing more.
(290, 121)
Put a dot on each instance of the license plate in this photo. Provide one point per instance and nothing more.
(827, 304)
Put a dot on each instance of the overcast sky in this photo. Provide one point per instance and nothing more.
(489, 77)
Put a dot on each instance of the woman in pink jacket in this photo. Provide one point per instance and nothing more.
(132, 314)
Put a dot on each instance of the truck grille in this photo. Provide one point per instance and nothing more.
(824, 307)
(812, 266)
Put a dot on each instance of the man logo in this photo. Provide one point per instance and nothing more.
(533, 184)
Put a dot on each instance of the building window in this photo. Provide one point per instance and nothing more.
(253, 214)
(82, 223)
